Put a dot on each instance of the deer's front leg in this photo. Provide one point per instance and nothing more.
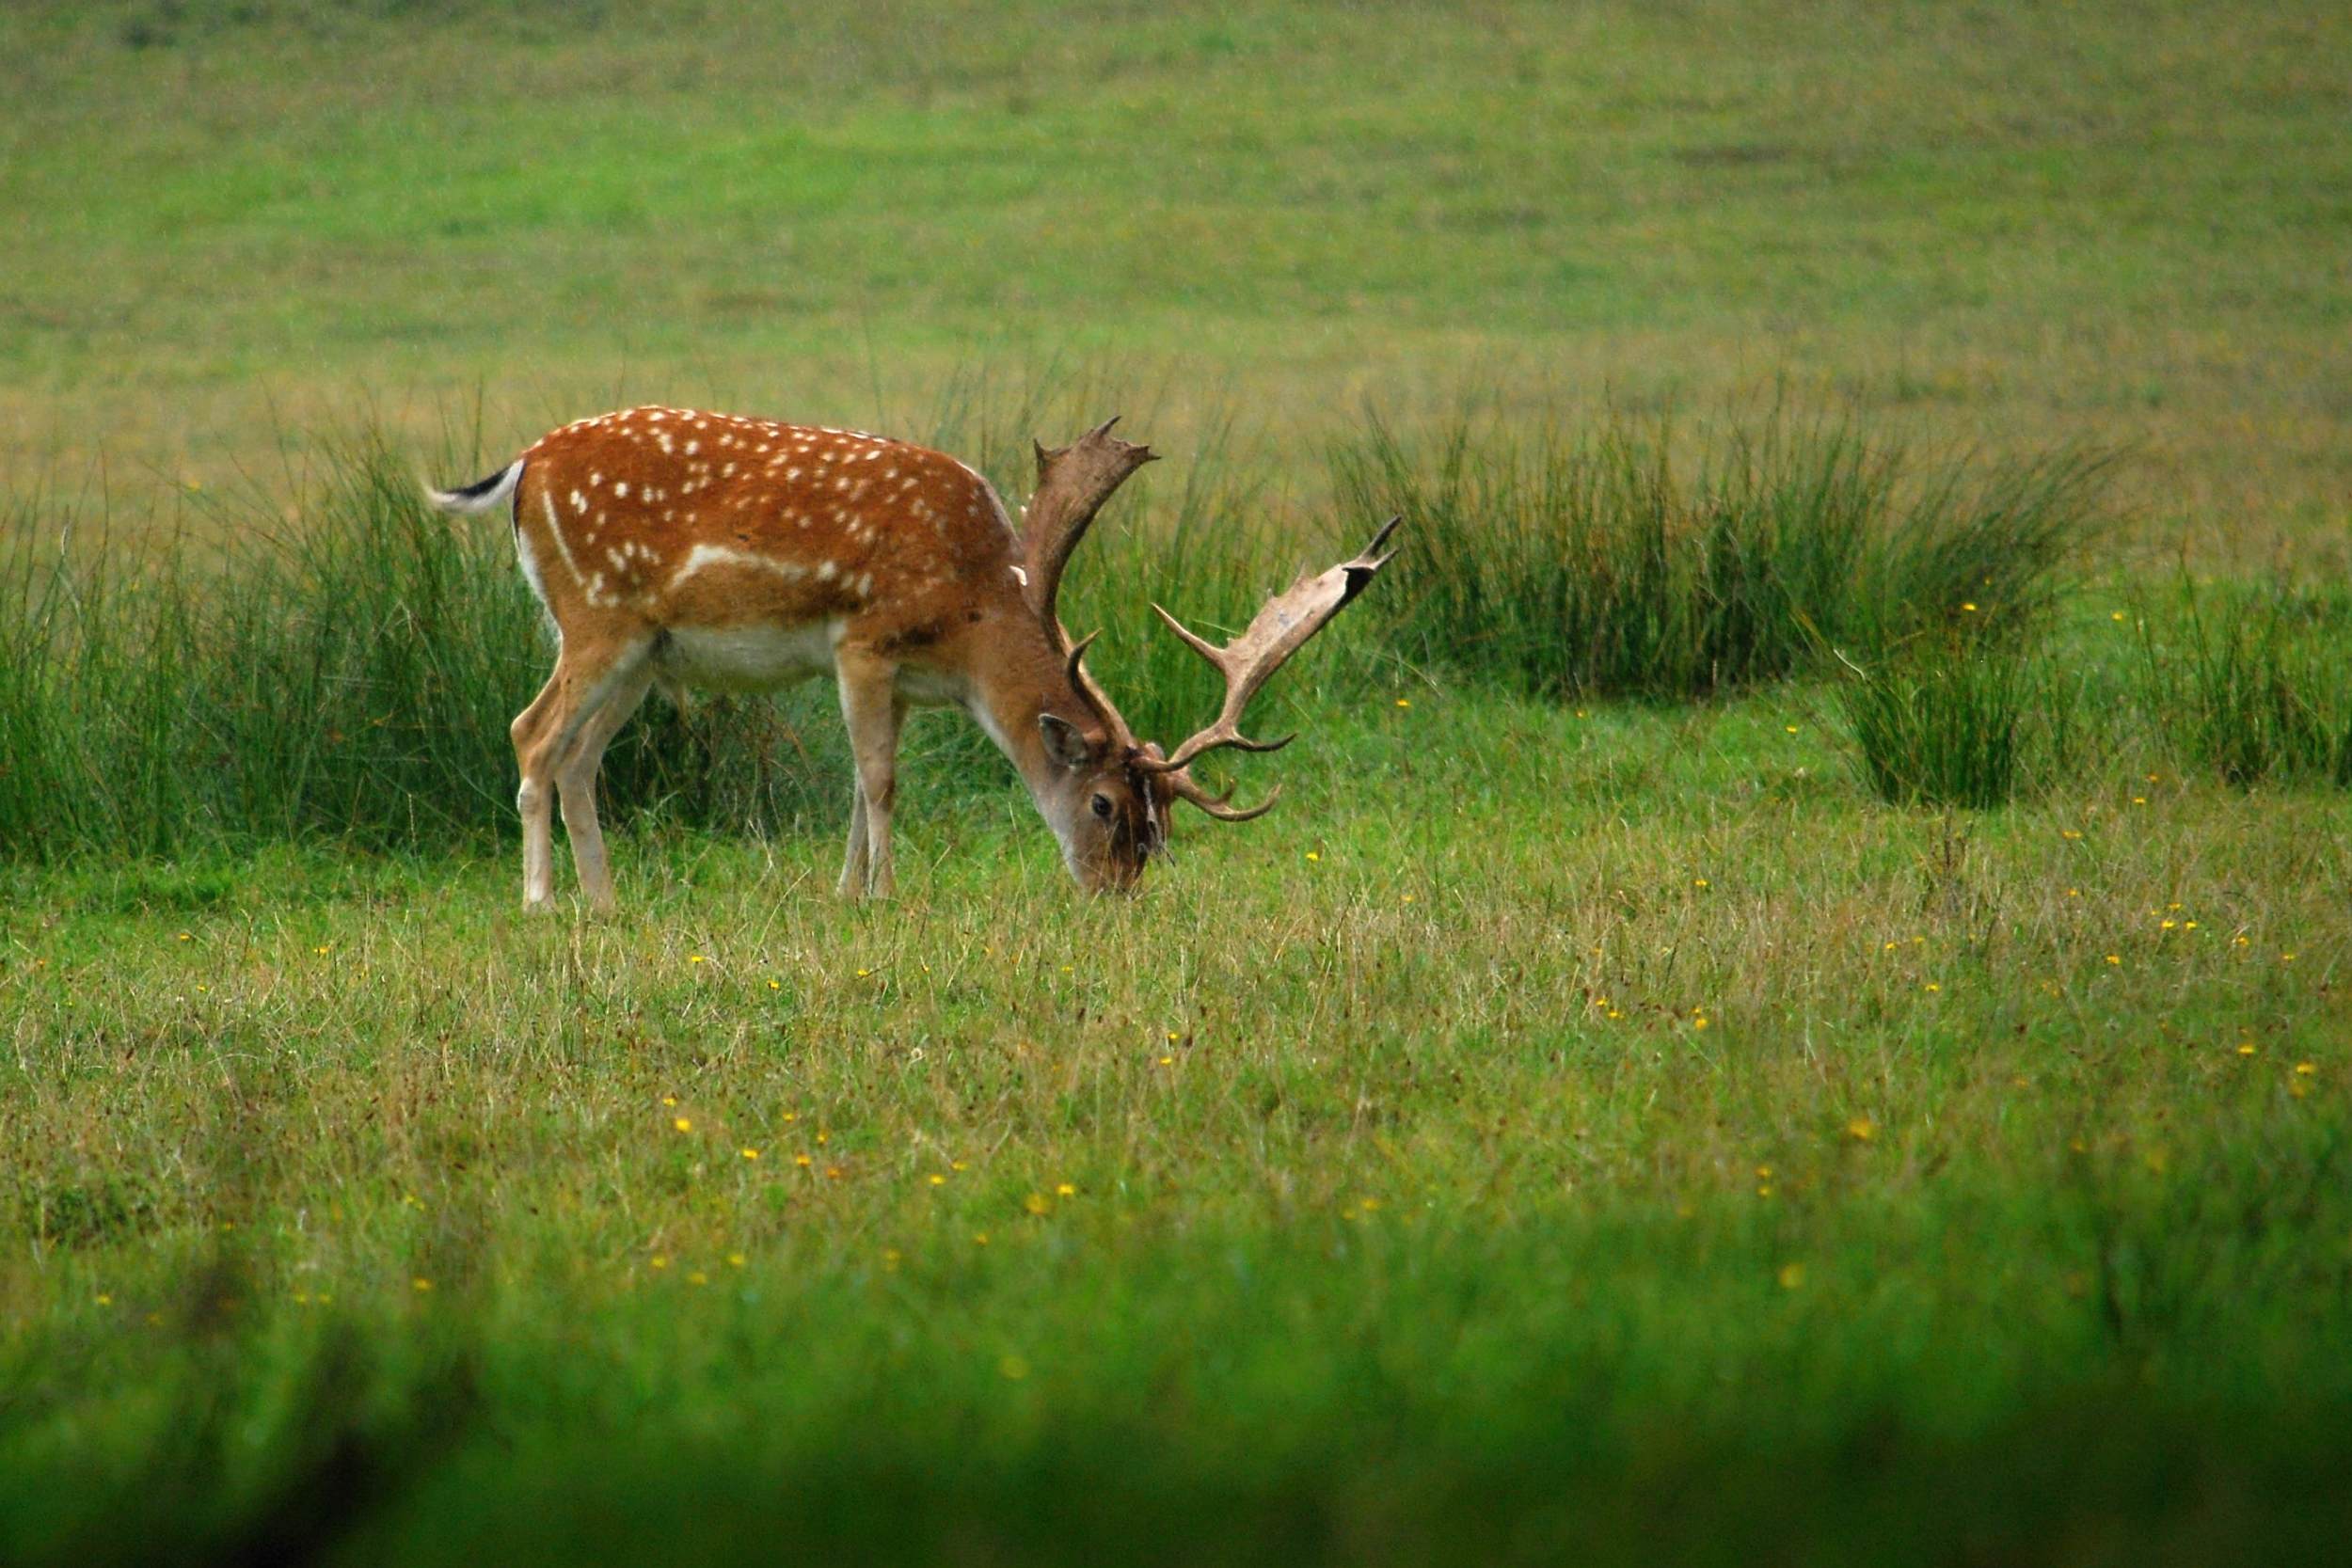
(872, 710)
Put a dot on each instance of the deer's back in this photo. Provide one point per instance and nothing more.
(681, 519)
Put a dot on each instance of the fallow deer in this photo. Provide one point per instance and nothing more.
(694, 549)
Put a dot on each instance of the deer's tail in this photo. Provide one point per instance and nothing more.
(482, 493)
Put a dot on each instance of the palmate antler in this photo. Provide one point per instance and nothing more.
(1073, 483)
(1279, 630)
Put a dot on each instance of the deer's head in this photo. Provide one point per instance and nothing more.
(1111, 793)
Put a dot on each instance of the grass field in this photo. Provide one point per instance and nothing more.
(2122, 221)
(1586, 1121)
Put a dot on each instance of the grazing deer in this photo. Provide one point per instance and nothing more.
(703, 550)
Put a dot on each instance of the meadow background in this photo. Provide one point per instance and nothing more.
(1793, 1005)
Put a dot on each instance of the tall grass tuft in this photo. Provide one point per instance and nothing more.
(348, 669)
(2253, 682)
(1617, 562)
(1945, 722)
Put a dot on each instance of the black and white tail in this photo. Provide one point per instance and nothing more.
(482, 495)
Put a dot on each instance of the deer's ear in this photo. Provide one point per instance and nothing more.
(1064, 742)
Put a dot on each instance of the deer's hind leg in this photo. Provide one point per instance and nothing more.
(587, 675)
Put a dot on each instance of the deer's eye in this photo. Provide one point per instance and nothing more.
(1103, 807)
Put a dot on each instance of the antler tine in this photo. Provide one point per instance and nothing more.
(1083, 679)
(1186, 787)
(1077, 654)
(1073, 483)
(1279, 630)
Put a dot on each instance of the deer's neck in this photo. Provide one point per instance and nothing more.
(1021, 675)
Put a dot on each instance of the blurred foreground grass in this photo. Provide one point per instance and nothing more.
(1552, 1129)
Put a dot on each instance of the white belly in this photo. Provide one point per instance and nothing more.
(748, 659)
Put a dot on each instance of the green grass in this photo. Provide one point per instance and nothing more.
(1691, 1119)
(1569, 1129)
